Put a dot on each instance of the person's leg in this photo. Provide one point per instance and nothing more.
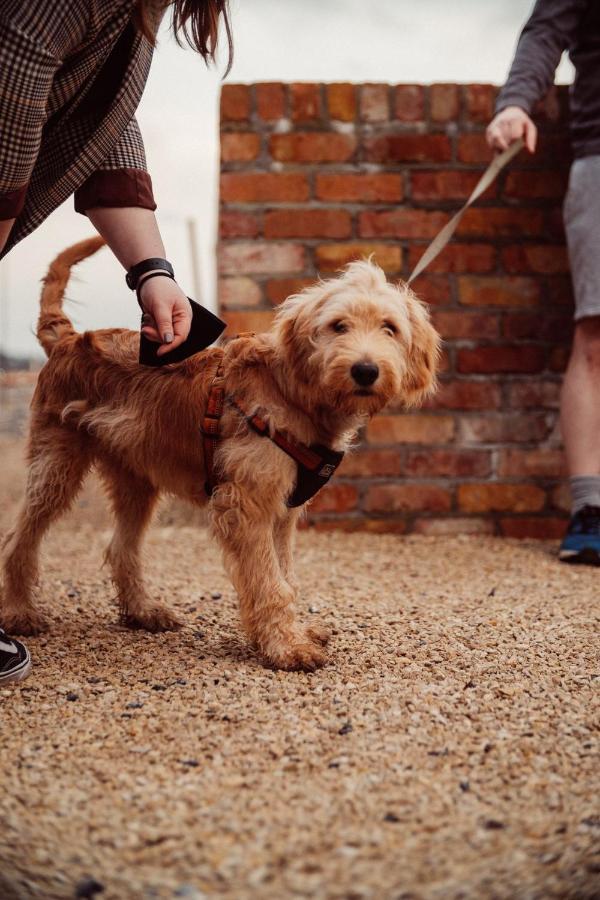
(580, 403)
(580, 400)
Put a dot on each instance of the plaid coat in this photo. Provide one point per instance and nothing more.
(72, 73)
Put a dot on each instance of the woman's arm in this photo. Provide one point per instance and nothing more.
(132, 234)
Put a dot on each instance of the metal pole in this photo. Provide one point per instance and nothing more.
(193, 239)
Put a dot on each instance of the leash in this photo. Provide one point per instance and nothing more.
(488, 177)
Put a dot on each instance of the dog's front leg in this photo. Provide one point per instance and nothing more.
(284, 533)
(245, 530)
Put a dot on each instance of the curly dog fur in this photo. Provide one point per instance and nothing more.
(95, 406)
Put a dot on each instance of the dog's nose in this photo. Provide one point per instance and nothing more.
(365, 374)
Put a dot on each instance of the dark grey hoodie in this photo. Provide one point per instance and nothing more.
(554, 26)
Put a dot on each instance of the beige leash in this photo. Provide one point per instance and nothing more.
(490, 175)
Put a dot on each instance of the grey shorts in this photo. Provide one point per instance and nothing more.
(582, 223)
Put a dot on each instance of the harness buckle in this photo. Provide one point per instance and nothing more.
(327, 470)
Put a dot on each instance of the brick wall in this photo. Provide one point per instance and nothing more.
(315, 175)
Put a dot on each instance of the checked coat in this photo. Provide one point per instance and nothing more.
(72, 73)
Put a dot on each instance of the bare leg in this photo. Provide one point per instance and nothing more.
(245, 532)
(284, 534)
(580, 408)
(133, 500)
(58, 463)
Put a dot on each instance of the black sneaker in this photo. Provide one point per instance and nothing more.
(15, 661)
(581, 544)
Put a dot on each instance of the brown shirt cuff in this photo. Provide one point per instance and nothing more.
(12, 203)
(115, 187)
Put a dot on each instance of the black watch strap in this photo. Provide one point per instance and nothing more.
(147, 265)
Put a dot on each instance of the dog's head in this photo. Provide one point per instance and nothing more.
(359, 342)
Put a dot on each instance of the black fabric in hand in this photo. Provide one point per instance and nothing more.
(204, 331)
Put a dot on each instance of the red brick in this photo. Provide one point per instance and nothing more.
(401, 223)
(307, 223)
(386, 498)
(502, 291)
(539, 326)
(558, 359)
(544, 462)
(374, 103)
(480, 100)
(360, 523)
(458, 258)
(235, 102)
(435, 289)
(263, 187)
(473, 148)
(466, 395)
(446, 184)
(337, 497)
(233, 223)
(409, 102)
(239, 146)
(549, 184)
(253, 257)
(312, 147)
(502, 222)
(330, 257)
(251, 320)
(270, 100)
(278, 289)
(369, 463)
(239, 293)
(504, 428)
(341, 101)
(414, 428)
(305, 102)
(505, 358)
(540, 527)
(450, 463)
(561, 497)
(363, 188)
(532, 394)
(493, 497)
(404, 148)
(453, 525)
(457, 324)
(443, 102)
(545, 259)
(560, 291)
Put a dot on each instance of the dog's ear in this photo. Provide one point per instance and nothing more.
(294, 326)
(423, 353)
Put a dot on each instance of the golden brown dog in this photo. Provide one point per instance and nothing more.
(336, 354)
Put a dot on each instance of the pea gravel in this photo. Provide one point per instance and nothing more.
(449, 750)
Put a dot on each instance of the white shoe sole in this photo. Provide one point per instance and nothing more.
(20, 673)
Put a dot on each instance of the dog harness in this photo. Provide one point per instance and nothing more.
(315, 464)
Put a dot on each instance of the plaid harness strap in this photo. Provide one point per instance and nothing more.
(315, 464)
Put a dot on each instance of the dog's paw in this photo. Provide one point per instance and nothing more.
(318, 634)
(304, 656)
(23, 622)
(152, 618)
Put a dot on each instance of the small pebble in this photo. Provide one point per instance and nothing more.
(346, 728)
(72, 696)
(88, 887)
(216, 595)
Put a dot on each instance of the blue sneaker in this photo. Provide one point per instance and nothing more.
(15, 662)
(581, 543)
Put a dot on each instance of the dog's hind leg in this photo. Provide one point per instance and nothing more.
(133, 500)
(58, 461)
(246, 534)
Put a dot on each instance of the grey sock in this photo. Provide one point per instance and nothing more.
(585, 491)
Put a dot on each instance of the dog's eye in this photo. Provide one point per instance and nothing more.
(390, 328)
(339, 327)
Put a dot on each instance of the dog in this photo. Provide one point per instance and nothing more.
(336, 354)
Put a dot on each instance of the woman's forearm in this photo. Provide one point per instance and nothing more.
(131, 232)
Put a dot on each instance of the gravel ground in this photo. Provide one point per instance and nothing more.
(450, 749)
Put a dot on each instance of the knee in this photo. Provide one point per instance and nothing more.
(587, 341)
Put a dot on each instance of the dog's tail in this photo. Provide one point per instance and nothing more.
(53, 323)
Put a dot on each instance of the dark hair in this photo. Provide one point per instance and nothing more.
(194, 21)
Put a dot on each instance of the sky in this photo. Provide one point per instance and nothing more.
(296, 40)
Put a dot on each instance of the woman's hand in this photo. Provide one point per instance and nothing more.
(508, 126)
(167, 313)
